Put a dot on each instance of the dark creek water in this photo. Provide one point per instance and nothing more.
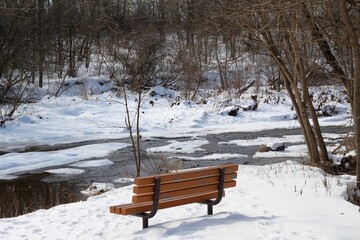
(29, 193)
(38, 190)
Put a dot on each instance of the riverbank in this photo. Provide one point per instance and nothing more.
(52, 186)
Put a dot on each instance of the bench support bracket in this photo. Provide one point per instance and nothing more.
(211, 203)
(145, 216)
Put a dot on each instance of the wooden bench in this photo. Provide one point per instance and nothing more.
(205, 185)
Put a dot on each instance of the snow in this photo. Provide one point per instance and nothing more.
(180, 147)
(93, 163)
(65, 171)
(280, 201)
(123, 180)
(98, 188)
(274, 145)
(287, 200)
(73, 119)
(265, 140)
(17, 162)
(299, 151)
(215, 156)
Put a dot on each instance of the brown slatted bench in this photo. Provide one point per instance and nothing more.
(205, 185)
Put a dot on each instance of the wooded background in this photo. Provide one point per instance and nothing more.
(291, 44)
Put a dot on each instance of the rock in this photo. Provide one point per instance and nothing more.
(233, 112)
(353, 193)
(264, 148)
(252, 104)
(293, 116)
(348, 163)
(276, 146)
(280, 148)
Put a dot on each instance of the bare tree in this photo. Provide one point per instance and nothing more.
(335, 29)
(353, 34)
(278, 27)
(15, 25)
(138, 54)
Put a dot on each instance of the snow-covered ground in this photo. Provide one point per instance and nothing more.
(281, 201)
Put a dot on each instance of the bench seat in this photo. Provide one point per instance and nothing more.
(151, 193)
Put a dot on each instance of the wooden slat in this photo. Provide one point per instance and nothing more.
(195, 185)
(116, 208)
(144, 207)
(182, 192)
(188, 183)
(194, 173)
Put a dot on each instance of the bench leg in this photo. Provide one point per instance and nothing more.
(145, 222)
(210, 209)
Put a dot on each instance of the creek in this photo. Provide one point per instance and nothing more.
(40, 190)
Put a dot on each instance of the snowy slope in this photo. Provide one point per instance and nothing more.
(281, 201)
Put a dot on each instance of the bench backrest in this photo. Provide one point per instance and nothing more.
(184, 183)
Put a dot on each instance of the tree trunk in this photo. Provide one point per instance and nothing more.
(299, 72)
(72, 70)
(222, 76)
(138, 160)
(41, 42)
(295, 96)
(355, 46)
(317, 130)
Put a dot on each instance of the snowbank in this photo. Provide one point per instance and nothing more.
(281, 201)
